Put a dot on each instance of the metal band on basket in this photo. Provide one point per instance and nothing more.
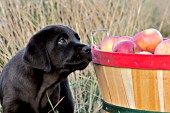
(118, 109)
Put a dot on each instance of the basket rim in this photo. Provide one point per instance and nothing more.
(129, 60)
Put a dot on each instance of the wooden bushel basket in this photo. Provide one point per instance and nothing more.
(133, 83)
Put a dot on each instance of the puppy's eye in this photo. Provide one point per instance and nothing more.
(62, 40)
(77, 36)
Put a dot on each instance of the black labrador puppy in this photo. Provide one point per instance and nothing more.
(38, 73)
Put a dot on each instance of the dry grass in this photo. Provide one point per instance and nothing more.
(20, 19)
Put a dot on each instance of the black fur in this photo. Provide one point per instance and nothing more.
(40, 70)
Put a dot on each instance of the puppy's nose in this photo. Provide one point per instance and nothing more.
(86, 49)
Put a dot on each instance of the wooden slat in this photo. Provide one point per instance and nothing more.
(116, 86)
(166, 80)
(146, 89)
(160, 80)
(128, 84)
(103, 85)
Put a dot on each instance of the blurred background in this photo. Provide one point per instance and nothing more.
(20, 19)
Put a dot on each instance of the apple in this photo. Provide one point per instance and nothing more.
(145, 52)
(148, 39)
(107, 43)
(163, 48)
(126, 47)
(123, 38)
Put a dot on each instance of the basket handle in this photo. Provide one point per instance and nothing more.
(96, 31)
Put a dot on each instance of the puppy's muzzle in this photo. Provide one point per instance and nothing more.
(86, 51)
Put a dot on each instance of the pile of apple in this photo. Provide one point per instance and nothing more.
(149, 41)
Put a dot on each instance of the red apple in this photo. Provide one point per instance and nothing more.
(163, 48)
(145, 52)
(107, 43)
(123, 38)
(127, 47)
(148, 39)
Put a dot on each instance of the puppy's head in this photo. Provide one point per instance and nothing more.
(59, 47)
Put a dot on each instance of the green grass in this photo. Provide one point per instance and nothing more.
(20, 19)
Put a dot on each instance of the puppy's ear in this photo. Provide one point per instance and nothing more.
(36, 54)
